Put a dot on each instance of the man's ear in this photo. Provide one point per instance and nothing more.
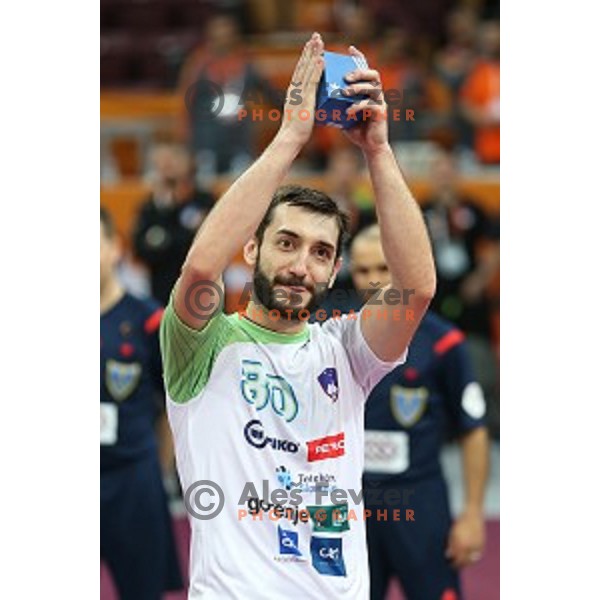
(117, 250)
(336, 270)
(251, 251)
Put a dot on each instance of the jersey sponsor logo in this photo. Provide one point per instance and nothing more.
(288, 541)
(331, 446)
(408, 404)
(262, 390)
(306, 482)
(255, 435)
(329, 519)
(327, 556)
(328, 380)
(258, 507)
(122, 378)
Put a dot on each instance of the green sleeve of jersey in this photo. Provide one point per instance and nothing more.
(188, 354)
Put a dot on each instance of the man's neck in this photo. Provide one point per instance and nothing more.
(258, 314)
(110, 294)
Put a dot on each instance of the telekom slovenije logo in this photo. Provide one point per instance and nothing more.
(331, 446)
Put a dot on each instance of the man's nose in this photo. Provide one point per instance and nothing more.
(298, 266)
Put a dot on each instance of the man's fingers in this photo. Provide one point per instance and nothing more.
(363, 75)
(373, 90)
(305, 68)
(302, 58)
(354, 51)
(305, 57)
(302, 63)
(374, 108)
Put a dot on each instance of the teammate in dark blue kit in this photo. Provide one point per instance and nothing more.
(409, 415)
(136, 539)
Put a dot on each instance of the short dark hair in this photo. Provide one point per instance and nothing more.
(312, 201)
(108, 223)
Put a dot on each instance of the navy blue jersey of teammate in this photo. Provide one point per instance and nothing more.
(412, 410)
(136, 537)
(131, 388)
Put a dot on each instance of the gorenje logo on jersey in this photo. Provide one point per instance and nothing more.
(331, 446)
(254, 433)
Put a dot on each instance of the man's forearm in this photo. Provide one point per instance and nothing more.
(475, 450)
(235, 217)
(403, 233)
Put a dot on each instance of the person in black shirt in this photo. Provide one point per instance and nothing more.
(167, 222)
(466, 247)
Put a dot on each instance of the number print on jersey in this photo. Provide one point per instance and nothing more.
(261, 389)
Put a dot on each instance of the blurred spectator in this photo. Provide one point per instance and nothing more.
(467, 254)
(457, 228)
(216, 78)
(169, 219)
(403, 80)
(358, 28)
(453, 62)
(343, 182)
(423, 19)
(455, 58)
(480, 95)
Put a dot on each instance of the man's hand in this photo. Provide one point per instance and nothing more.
(371, 134)
(466, 540)
(299, 110)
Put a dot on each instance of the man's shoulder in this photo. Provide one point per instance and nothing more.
(439, 334)
(145, 311)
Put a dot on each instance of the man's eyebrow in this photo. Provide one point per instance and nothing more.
(287, 232)
(293, 234)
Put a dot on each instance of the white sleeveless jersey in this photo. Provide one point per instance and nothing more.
(267, 426)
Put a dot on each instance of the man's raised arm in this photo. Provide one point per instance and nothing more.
(235, 217)
(404, 236)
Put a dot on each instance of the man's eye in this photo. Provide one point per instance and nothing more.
(285, 244)
(323, 253)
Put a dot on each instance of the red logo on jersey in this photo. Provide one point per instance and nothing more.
(331, 446)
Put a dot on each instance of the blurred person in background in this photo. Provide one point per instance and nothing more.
(453, 62)
(167, 222)
(344, 182)
(402, 72)
(480, 95)
(467, 255)
(357, 25)
(215, 79)
(136, 451)
(455, 59)
(409, 415)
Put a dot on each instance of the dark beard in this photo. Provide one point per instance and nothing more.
(264, 292)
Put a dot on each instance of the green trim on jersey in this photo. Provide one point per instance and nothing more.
(266, 336)
(189, 354)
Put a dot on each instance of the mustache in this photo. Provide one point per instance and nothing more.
(293, 282)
